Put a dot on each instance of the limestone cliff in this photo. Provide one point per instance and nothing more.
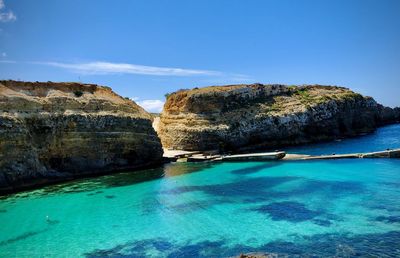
(236, 117)
(54, 131)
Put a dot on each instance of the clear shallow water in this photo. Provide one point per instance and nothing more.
(320, 208)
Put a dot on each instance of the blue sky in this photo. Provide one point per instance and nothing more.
(144, 49)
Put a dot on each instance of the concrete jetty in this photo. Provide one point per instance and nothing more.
(253, 156)
(378, 154)
(196, 156)
(193, 156)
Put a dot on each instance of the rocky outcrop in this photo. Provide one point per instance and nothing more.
(240, 117)
(396, 114)
(388, 115)
(56, 131)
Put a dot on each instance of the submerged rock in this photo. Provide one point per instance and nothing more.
(240, 117)
(54, 131)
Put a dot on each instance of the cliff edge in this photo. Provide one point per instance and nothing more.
(56, 131)
(240, 117)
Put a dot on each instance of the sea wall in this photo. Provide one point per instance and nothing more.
(242, 117)
(56, 131)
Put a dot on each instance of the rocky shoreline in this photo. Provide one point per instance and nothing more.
(53, 132)
(238, 118)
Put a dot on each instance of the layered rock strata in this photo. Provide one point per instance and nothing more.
(240, 117)
(56, 131)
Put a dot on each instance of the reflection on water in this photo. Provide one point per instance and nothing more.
(177, 169)
(316, 208)
(94, 185)
(341, 208)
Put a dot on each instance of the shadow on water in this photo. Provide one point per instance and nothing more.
(261, 188)
(388, 219)
(395, 185)
(186, 207)
(294, 212)
(247, 187)
(320, 245)
(331, 189)
(383, 206)
(290, 211)
(257, 168)
(195, 205)
(93, 185)
(22, 237)
(50, 223)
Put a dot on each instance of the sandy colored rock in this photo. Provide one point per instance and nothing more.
(240, 117)
(54, 131)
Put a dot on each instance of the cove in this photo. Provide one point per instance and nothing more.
(303, 208)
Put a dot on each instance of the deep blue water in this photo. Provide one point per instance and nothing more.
(387, 137)
(335, 208)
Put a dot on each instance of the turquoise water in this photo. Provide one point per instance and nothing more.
(345, 208)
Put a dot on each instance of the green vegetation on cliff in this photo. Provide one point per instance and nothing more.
(240, 116)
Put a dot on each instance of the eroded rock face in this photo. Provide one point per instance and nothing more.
(239, 117)
(53, 131)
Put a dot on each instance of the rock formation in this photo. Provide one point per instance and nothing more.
(240, 117)
(56, 131)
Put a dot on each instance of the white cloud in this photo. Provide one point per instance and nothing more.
(229, 79)
(8, 61)
(151, 105)
(121, 68)
(135, 98)
(6, 16)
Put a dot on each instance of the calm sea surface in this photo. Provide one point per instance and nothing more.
(342, 208)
